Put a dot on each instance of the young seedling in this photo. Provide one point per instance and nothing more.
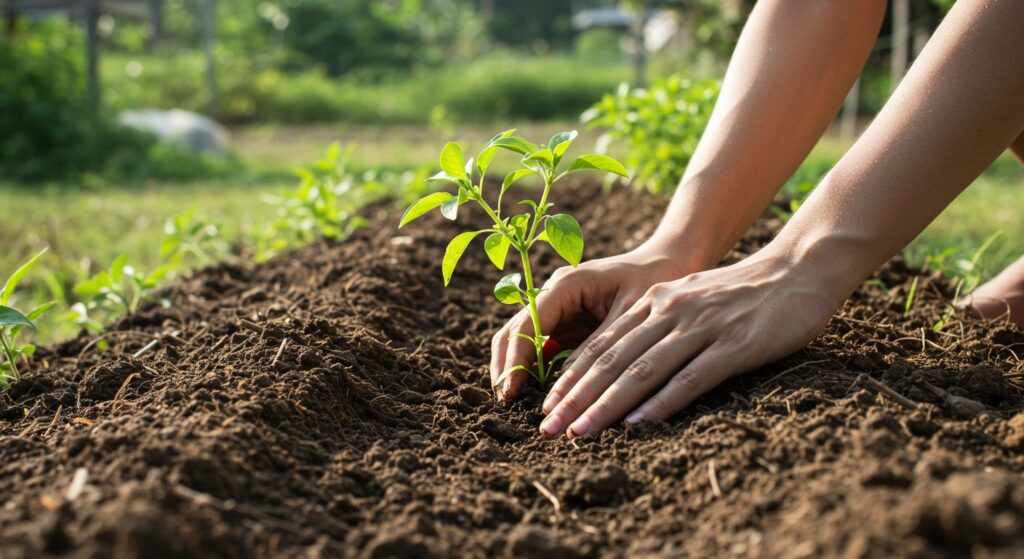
(188, 236)
(13, 322)
(518, 232)
(121, 289)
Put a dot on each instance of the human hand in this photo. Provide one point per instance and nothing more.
(683, 337)
(579, 304)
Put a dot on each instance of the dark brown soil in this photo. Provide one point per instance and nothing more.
(373, 432)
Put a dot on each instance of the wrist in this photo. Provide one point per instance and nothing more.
(831, 259)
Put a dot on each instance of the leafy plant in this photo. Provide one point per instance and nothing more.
(185, 235)
(13, 322)
(519, 232)
(121, 288)
(323, 205)
(660, 125)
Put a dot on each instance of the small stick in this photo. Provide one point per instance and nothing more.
(146, 349)
(550, 496)
(791, 369)
(880, 388)
(714, 479)
(250, 326)
(56, 418)
(964, 407)
(280, 350)
(120, 391)
(219, 343)
(754, 432)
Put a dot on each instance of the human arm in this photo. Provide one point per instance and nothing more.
(791, 70)
(954, 113)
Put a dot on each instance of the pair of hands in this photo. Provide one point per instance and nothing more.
(653, 333)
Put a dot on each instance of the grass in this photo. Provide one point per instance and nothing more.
(86, 228)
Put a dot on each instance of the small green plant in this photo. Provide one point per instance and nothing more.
(910, 297)
(324, 204)
(13, 322)
(519, 232)
(186, 236)
(121, 288)
(661, 126)
(967, 274)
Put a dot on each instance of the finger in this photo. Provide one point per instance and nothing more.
(561, 301)
(569, 375)
(506, 385)
(705, 372)
(499, 343)
(628, 338)
(645, 374)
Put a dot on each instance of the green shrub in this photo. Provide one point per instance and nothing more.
(48, 130)
(660, 125)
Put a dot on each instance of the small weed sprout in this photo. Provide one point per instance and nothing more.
(186, 236)
(967, 275)
(120, 289)
(519, 232)
(13, 322)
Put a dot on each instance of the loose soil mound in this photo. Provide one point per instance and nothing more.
(351, 416)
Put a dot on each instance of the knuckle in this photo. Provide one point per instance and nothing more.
(605, 361)
(685, 381)
(570, 404)
(595, 348)
(639, 371)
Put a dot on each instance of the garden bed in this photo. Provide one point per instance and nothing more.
(335, 402)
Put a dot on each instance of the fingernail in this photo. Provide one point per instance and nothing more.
(551, 426)
(581, 428)
(635, 417)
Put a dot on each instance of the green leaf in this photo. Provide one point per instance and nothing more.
(12, 282)
(508, 373)
(561, 356)
(483, 160)
(519, 223)
(41, 310)
(454, 252)
(540, 160)
(560, 142)
(117, 268)
(453, 162)
(566, 237)
(12, 317)
(496, 246)
(423, 206)
(517, 144)
(28, 350)
(597, 163)
(442, 177)
(450, 208)
(507, 290)
(158, 274)
(514, 177)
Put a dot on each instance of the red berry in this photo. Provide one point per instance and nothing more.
(551, 349)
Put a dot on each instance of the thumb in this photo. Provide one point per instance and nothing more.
(560, 302)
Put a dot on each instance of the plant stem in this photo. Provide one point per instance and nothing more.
(534, 316)
(10, 357)
(539, 213)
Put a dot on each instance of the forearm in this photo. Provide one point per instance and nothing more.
(959, 107)
(793, 65)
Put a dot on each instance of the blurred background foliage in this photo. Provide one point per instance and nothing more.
(395, 78)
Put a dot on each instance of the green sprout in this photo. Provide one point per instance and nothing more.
(519, 232)
(188, 236)
(122, 288)
(13, 322)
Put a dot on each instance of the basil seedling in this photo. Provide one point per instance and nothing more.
(12, 322)
(519, 232)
